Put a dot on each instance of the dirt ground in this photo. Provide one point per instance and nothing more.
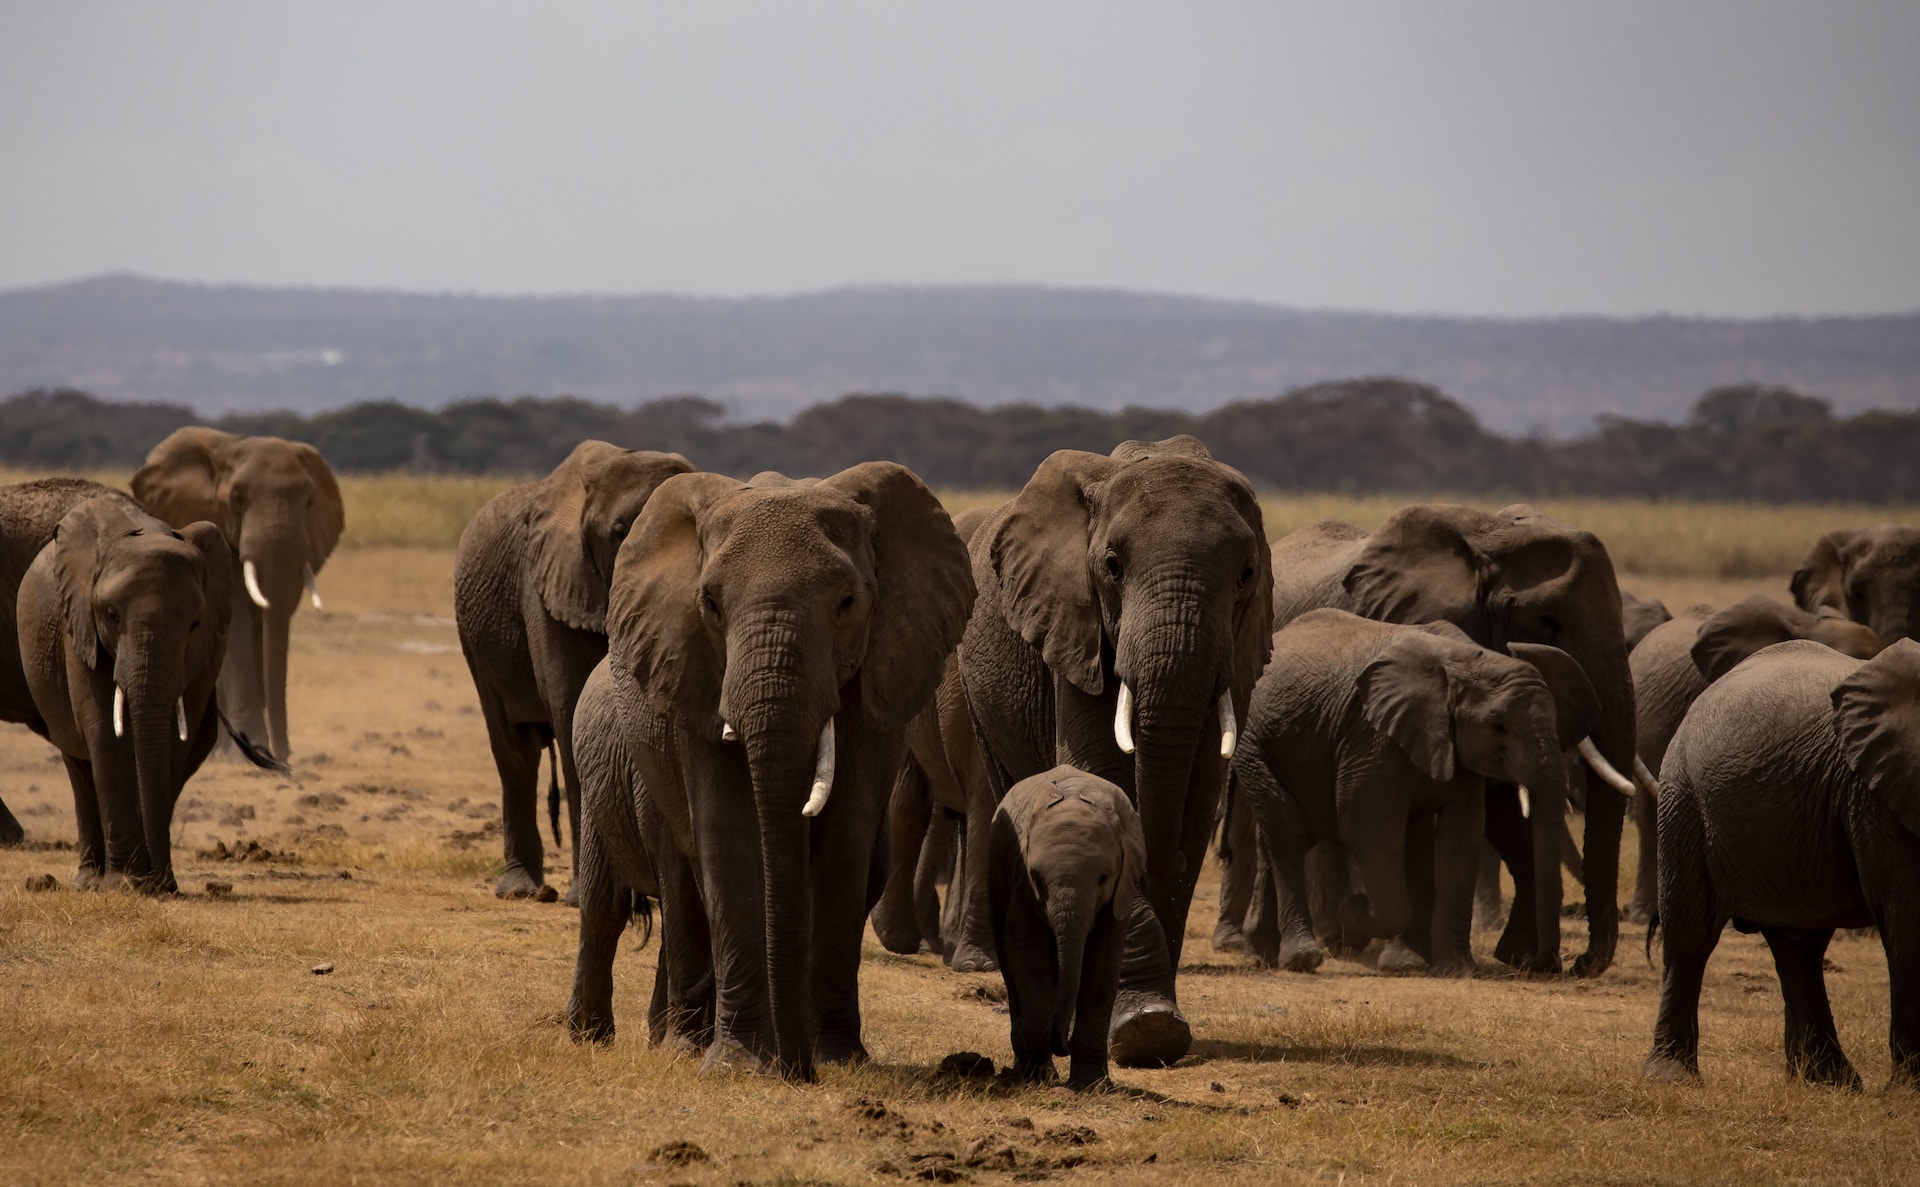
(191, 1039)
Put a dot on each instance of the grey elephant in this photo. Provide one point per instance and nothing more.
(1065, 858)
(770, 644)
(1675, 663)
(1379, 738)
(1790, 805)
(1124, 615)
(1871, 575)
(280, 509)
(1506, 577)
(122, 626)
(1638, 617)
(530, 582)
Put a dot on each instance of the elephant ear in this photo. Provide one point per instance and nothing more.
(1820, 579)
(654, 628)
(1576, 707)
(557, 529)
(78, 546)
(1731, 635)
(1404, 694)
(181, 481)
(1876, 712)
(1039, 556)
(1253, 629)
(1418, 566)
(925, 589)
(326, 512)
(216, 586)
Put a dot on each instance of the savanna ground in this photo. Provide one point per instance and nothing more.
(189, 1039)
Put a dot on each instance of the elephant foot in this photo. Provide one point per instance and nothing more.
(1669, 1069)
(1587, 964)
(1640, 911)
(727, 1055)
(572, 897)
(1397, 958)
(967, 958)
(1148, 1030)
(1304, 955)
(839, 1049)
(897, 937)
(1460, 964)
(1826, 1067)
(89, 878)
(11, 833)
(588, 1026)
(1228, 938)
(1489, 915)
(517, 883)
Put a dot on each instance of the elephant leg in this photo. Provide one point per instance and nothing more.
(86, 812)
(569, 777)
(934, 861)
(1903, 977)
(1812, 1042)
(1025, 947)
(1093, 1012)
(1512, 838)
(1459, 835)
(516, 755)
(973, 947)
(1489, 907)
(1418, 934)
(1646, 878)
(909, 813)
(1262, 927)
(1606, 811)
(841, 848)
(1239, 865)
(1329, 883)
(10, 831)
(1280, 848)
(684, 1014)
(605, 903)
(1384, 909)
(1690, 927)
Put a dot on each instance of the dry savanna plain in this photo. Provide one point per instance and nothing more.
(189, 1039)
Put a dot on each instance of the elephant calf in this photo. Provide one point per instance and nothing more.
(1064, 856)
(1790, 805)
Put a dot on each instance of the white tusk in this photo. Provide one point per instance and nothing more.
(1123, 720)
(253, 585)
(822, 773)
(1603, 768)
(119, 710)
(1648, 781)
(180, 717)
(1526, 803)
(726, 732)
(1229, 729)
(313, 589)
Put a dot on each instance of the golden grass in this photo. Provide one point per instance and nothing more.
(187, 1040)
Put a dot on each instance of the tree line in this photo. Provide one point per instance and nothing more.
(1382, 435)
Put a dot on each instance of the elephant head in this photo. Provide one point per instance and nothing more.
(781, 624)
(1871, 575)
(1733, 634)
(580, 517)
(145, 608)
(280, 509)
(1638, 617)
(1144, 580)
(1877, 716)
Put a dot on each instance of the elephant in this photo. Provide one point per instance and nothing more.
(770, 643)
(122, 629)
(1124, 614)
(530, 582)
(1638, 616)
(1511, 576)
(1677, 661)
(1790, 805)
(1871, 575)
(1065, 858)
(1379, 737)
(280, 510)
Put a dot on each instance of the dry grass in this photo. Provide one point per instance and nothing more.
(186, 1040)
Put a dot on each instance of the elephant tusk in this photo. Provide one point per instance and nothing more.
(313, 589)
(1648, 782)
(822, 773)
(119, 710)
(726, 731)
(1229, 728)
(1123, 720)
(1526, 803)
(1603, 768)
(180, 717)
(253, 585)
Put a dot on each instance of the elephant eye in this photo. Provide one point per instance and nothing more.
(846, 603)
(1103, 879)
(712, 607)
(619, 530)
(1246, 575)
(1113, 567)
(113, 616)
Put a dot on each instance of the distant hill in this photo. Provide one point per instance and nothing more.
(222, 349)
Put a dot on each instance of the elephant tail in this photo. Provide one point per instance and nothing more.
(553, 790)
(641, 908)
(1224, 850)
(1653, 925)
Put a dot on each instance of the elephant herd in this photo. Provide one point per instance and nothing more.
(781, 709)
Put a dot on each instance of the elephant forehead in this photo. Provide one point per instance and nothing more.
(134, 560)
(1174, 493)
(1889, 544)
(806, 529)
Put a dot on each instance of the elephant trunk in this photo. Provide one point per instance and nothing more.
(1174, 725)
(1070, 918)
(1546, 782)
(152, 716)
(276, 551)
(1613, 736)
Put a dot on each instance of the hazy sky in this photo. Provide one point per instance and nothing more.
(1736, 158)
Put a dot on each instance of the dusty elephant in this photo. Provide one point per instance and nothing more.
(530, 582)
(771, 644)
(122, 625)
(1064, 863)
(1871, 575)
(1675, 663)
(280, 510)
(1790, 805)
(1123, 617)
(1379, 738)
(1639, 616)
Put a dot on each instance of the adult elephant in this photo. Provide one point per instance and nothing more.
(1790, 805)
(1674, 664)
(1511, 576)
(1124, 615)
(1378, 738)
(530, 582)
(280, 510)
(771, 643)
(122, 626)
(1871, 575)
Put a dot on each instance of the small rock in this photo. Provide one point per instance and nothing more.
(323, 968)
(548, 895)
(39, 882)
(217, 889)
(1215, 1086)
(343, 874)
(679, 1154)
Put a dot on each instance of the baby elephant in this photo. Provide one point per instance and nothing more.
(1064, 857)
